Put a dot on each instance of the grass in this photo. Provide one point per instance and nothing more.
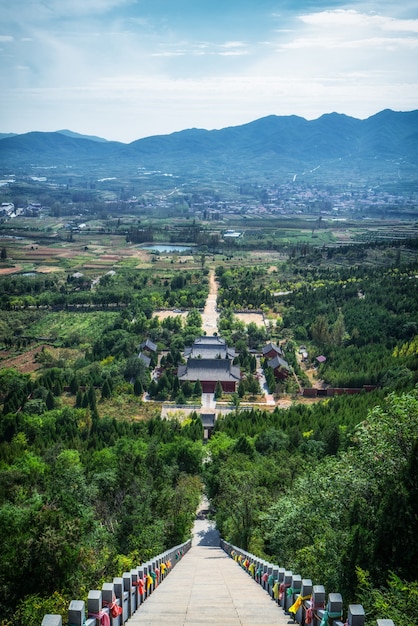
(83, 327)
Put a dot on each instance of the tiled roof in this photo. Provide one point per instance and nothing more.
(209, 348)
(144, 358)
(272, 346)
(278, 362)
(209, 370)
(150, 345)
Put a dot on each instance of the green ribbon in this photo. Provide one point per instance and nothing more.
(289, 592)
(329, 615)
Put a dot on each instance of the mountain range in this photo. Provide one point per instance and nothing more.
(385, 142)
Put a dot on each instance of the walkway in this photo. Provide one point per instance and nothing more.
(207, 587)
(210, 313)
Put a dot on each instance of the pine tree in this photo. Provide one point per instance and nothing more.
(138, 388)
(79, 399)
(49, 401)
(197, 390)
(106, 390)
(73, 385)
(91, 395)
(218, 390)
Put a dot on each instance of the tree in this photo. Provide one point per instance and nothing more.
(106, 390)
(197, 390)
(49, 401)
(3, 254)
(236, 401)
(138, 388)
(338, 332)
(218, 390)
(79, 399)
(320, 331)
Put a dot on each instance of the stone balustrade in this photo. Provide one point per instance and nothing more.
(304, 602)
(117, 601)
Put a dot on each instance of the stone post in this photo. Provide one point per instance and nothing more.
(147, 589)
(356, 615)
(280, 579)
(109, 597)
(264, 574)
(283, 588)
(76, 613)
(293, 591)
(305, 594)
(317, 603)
(380, 622)
(333, 609)
(122, 596)
(52, 620)
(141, 575)
(129, 590)
(273, 578)
(135, 598)
(95, 606)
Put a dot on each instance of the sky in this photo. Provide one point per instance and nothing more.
(127, 69)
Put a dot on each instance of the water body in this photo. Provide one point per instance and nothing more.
(162, 248)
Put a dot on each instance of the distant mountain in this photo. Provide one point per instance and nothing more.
(379, 146)
(4, 135)
(70, 133)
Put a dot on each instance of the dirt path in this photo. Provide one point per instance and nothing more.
(210, 313)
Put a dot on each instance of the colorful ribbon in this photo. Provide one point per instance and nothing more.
(298, 603)
(140, 583)
(114, 608)
(330, 615)
(103, 616)
(283, 586)
(310, 611)
(276, 589)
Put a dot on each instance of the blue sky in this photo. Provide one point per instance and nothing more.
(125, 69)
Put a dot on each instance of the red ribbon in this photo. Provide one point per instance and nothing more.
(140, 584)
(102, 616)
(114, 608)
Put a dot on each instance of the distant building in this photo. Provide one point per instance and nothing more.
(210, 347)
(281, 368)
(208, 423)
(209, 360)
(209, 372)
(145, 359)
(270, 350)
(148, 346)
(232, 234)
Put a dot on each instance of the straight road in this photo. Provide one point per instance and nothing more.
(210, 312)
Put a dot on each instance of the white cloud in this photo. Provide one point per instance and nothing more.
(349, 18)
(6, 38)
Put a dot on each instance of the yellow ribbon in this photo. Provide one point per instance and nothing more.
(297, 604)
(276, 589)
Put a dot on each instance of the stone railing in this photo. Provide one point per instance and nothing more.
(117, 601)
(304, 602)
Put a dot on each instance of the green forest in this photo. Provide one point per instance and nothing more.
(93, 481)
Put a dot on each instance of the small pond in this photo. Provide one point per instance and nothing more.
(164, 248)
